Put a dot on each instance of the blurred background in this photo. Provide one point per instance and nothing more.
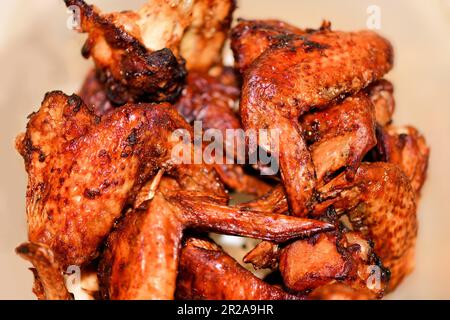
(38, 53)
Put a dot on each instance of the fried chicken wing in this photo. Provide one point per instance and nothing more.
(148, 240)
(380, 203)
(310, 71)
(140, 55)
(207, 272)
(340, 136)
(129, 67)
(83, 170)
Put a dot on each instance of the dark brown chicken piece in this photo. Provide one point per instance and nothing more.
(309, 71)
(83, 170)
(129, 68)
(207, 272)
(48, 278)
(407, 148)
(250, 39)
(381, 204)
(340, 136)
(327, 258)
(148, 240)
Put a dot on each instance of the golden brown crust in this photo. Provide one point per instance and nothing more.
(70, 206)
(207, 272)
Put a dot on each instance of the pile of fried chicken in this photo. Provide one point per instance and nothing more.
(104, 194)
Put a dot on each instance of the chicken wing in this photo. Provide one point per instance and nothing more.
(129, 67)
(48, 278)
(83, 170)
(309, 71)
(148, 241)
(207, 272)
(140, 55)
(380, 203)
(332, 257)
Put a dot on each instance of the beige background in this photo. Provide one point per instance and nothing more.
(38, 53)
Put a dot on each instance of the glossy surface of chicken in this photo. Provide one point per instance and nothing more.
(148, 241)
(309, 71)
(381, 204)
(250, 39)
(333, 257)
(340, 136)
(208, 273)
(128, 68)
(80, 178)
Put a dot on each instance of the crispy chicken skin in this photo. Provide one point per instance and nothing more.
(324, 259)
(407, 148)
(380, 203)
(208, 273)
(80, 178)
(340, 136)
(250, 39)
(140, 55)
(128, 68)
(310, 71)
(141, 256)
